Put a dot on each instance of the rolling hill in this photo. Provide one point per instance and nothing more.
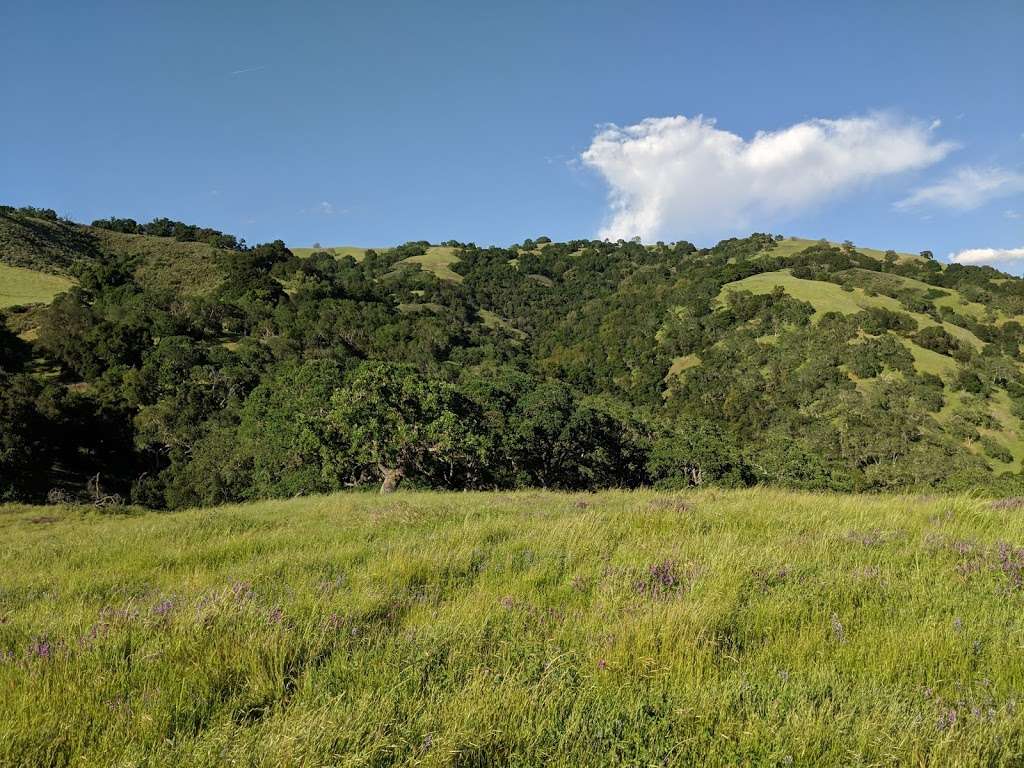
(54, 246)
(760, 360)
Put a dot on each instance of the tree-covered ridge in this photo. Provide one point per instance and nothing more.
(240, 372)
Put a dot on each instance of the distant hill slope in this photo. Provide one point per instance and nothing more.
(793, 362)
(54, 246)
(355, 251)
(437, 260)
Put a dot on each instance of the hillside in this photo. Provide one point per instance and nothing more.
(197, 370)
(532, 628)
(47, 244)
(20, 286)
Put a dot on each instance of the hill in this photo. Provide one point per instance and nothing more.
(531, 628)
(198, 370)
(39, 241)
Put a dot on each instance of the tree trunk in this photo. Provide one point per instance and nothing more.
(392, 477)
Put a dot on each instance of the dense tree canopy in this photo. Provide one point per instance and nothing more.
(579, 365)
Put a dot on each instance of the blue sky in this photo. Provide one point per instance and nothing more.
(891, 124)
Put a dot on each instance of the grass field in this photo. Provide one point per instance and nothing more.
(717, 628)
(26, 286)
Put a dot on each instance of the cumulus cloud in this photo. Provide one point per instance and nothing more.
(679, 177)
(967, 188)
(1006, 259)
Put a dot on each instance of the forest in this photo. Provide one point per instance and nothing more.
(185, 367)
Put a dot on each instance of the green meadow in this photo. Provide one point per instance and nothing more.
(26, 286)
(753, 627)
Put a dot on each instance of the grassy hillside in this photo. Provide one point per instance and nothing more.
(44, 245)
(437, 261)
(790, 246)
(716, 628)
(354, 251)
(163, 262)
(826, 297)
(26, 286)
(829, 297)
(55, 246)
(752, 362)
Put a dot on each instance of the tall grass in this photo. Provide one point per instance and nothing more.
(717, 628)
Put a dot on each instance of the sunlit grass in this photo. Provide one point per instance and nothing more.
(532, 628)
(26, 286)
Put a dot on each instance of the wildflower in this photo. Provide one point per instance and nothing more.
(241, 590)
(837, 628)
(163, 607)
(40, 648)
(664, 574)
(276, 616)
(946, 720)
(602, 664)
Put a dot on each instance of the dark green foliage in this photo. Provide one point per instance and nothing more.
(937, 339)
(697, 452)
(545, 366)
(391, 423)
(162, 227)
(23, 433)
(996, 450)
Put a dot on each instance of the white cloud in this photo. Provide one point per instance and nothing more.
(245, 70)
(325, 209)
(967, 188)
(1011, 214)
(1002, 258)
(679, 177)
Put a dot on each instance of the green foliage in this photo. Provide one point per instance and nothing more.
(391, 423)
(162, 227)
(285, 430)
(695, 453)
(223, 372)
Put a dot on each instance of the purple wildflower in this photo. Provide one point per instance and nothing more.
(946, 720)
(276, 616)
(163, 607)
(40, 648)
(241, 590)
